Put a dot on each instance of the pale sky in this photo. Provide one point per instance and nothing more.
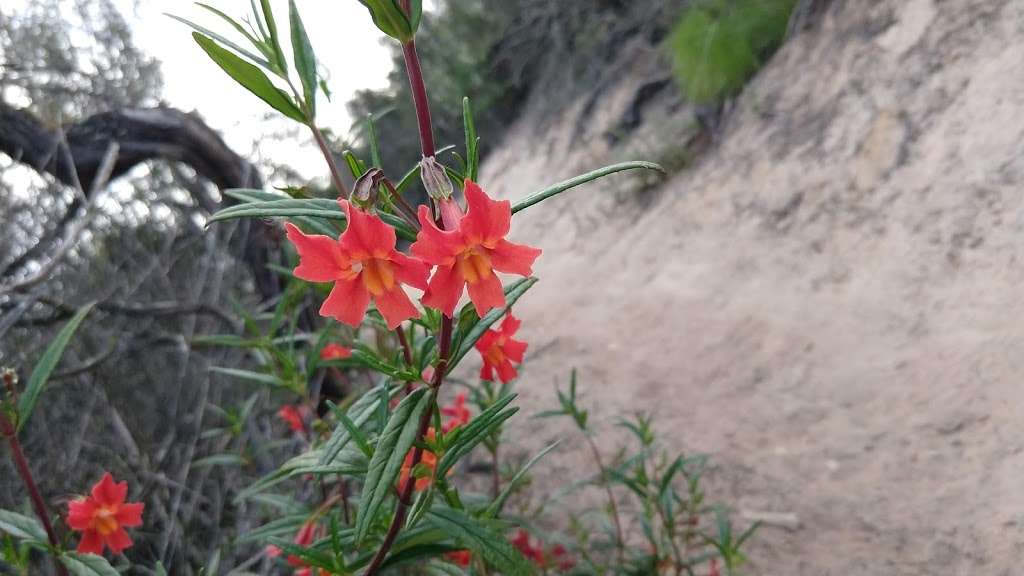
(344, 38)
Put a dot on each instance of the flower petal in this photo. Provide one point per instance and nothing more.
(486, 220)
(444, 290)
(486, 293)
(106, 492)
(118, 540)
(320, 257)
(509, 325)
(91, 543)
(433, 245)
(487, 372)
(80, 513)
(366, 234)
(347, 302)
(506, 372)
(513, 258)
(411, 271)
(395, 306)
(130, 515)
(514, 350)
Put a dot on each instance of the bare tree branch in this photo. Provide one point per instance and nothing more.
(141, 134)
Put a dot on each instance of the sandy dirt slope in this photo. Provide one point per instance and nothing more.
(829, 301)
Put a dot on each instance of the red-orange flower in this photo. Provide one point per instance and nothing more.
(469, 251)
(427, 458)
(335, 352)
(499, 351)
(458, 413)
(459, 557)
(294, 416)
(363, 264)
(304, 538)
(555, 557)
(103, 516)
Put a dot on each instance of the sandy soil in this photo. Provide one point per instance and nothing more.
(828, 302)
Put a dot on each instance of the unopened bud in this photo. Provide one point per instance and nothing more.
(364, 191)
(435, 179)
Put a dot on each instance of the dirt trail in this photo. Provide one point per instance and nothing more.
(829, 302)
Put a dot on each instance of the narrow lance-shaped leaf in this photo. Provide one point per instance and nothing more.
(479, 428)
(392, 445)
(495, 507)
(21, 527)
(87, 564)
(250, 77)
(51, 356)
(275, 41)
(556, 189)
(481, 540)
(472, 155)
(305, 59)
(210, 33)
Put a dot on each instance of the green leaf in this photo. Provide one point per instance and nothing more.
(392, 445)
(87, 564)
(389, 18)
(210, 33)
(512, 294)
(483, 541)
(305, 59)
(371, 133)
(219, 460)
(47, 362)
(281, 527)
(275, 40)
(250, 77)
(556, 189)
(257, 377)
(349, 462)
(475, 432)
(355, 165)
(280, 206)
(22, 527)
(494, 508)
(359, 413)
(415, 14)
(227, 340)
(472, 154)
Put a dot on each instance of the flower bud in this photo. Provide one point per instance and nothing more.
(391, 17)
(364, 191)
(435, 179)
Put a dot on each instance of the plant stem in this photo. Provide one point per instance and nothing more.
(419, 94)
(611, 498)
(339, 184)
(419, 97)
(38, 505)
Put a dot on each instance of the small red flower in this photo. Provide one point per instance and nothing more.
(335, 352)
(304, 538)
(294, 416)
(499, 351)
(459, 557)
(469, 252)
(522, 543)
(458, 412)
(713, 570)
(363, 264)
(103, 516)
(427, 458)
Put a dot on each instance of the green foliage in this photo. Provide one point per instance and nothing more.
(43, 369)
(717, 45)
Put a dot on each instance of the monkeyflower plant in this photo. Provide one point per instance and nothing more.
(404, 291)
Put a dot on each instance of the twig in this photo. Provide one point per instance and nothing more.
(71, 238)
(611, 498)
(38, 504)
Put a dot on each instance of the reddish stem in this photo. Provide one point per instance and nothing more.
(419, 97)
(38, 505)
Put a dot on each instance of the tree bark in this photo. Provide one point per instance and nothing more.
(72, 155)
